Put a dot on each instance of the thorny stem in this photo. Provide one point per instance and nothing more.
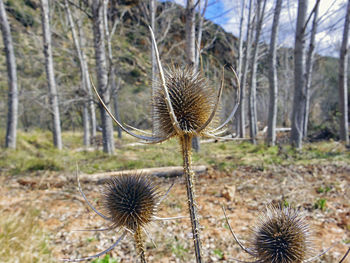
(192, 206)
(139, 244)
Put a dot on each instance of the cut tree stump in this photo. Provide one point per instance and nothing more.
(170, 171)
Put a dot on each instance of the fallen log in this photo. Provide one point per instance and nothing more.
(281, 129)
(170, 171)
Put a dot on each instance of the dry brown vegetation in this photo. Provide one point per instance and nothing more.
(45, 207)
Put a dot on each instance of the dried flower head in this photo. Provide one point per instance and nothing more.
(191, 98)
(183, 103)
(281, 236)
(130, 201)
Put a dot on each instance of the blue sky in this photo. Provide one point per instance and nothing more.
(332, 16)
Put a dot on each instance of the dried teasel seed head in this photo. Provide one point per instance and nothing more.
(130, 200)
(281, 236)
(191, 97)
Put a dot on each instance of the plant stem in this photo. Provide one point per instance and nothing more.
(192, 206)
(139, 244)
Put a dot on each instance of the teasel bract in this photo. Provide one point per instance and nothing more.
(281, 235)
(130, 203)
(184, 106)
(345, 255)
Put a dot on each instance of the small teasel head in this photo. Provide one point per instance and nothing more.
(281, 236)
(130, 201)
(192, 99)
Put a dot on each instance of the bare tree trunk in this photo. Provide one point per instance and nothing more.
(86, 124)
(240, 43)
(111, 68)
(115, 103)
(245, 72)
(84, 78)
(12, 114)
(190, 29)
(200, 32)
(87, 83)
(286, 91)
(309, 64)
(195, 140)
(252, 94)
(240, 58)
(153, 10)
(271, 132)
(190, 32)
(343, 78)
(56, 126)
(299, 77)
(102, 78)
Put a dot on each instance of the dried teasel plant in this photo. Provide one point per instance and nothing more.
(184, 107)
(130, 203)
(281, 235)
(345, 255)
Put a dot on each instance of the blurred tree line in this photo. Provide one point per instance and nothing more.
(51, 50)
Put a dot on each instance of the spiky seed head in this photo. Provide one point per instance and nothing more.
(191, 97)
(130, 200)
(281, 236)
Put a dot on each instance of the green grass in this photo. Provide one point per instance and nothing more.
(106, 259)
(36, 154)
(325, 189)
(218, 253)
(321, 204)
(229, 155)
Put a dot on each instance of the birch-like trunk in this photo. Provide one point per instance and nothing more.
(86, 124)
(12, 113)
(200, 32)
(309, 65)
(299, 77)
(153, 10)
(244, 74)
(273, 83)
(87, 82)
(84, 78)
(115, 90)
(286, 91)
(190, 32)
(53, 95)
(253, 66)
(111, 68)
(343, 78)
(240, 60)
(102, 77)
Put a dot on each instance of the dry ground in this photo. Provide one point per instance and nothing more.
(244, 192)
